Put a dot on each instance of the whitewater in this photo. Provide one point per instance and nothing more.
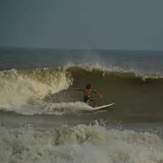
(43, 117)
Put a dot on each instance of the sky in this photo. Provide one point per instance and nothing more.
(82, 24)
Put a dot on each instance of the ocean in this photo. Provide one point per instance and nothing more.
(43, 117)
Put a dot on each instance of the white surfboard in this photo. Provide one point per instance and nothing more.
(102, 107)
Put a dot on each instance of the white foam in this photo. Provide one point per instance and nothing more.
(80, 144)
(23, 92)
(21, 88)
(65, 107)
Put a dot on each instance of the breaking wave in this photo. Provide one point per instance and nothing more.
(29, 86)
(53, 91)
(82, 144)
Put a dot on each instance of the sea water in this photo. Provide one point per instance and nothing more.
(43, 117)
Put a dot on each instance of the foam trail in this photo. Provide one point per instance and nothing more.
(64, 107)
(47, 108)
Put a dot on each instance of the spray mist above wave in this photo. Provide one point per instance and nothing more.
(82, 144)
(26, 86)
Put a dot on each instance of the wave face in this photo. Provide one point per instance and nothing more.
(135, 95)
(82, 144)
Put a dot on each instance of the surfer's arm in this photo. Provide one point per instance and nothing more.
(97, 93)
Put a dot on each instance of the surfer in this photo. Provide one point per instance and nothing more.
(89, 93)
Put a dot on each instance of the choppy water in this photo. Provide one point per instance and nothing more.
(44, 119)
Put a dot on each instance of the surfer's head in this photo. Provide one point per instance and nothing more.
(88, 86)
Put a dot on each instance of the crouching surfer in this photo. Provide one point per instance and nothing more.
(89, 95)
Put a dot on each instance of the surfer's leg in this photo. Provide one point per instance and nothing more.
(91, 102)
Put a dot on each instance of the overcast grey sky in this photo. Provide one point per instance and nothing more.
(109, 24)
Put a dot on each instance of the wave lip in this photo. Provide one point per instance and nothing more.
(105, 69)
